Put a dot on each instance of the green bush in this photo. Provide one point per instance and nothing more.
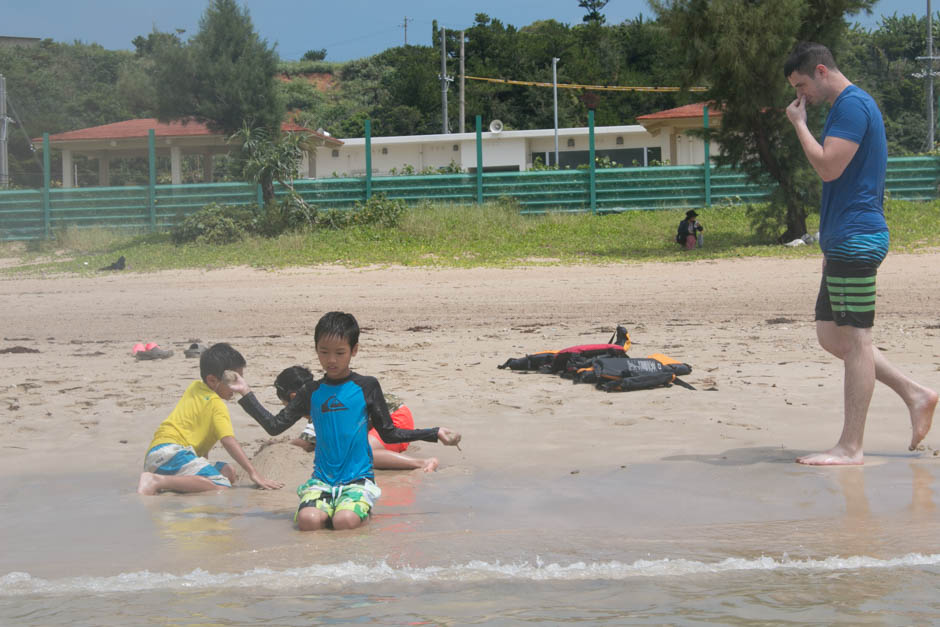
(379, 210)
(215, 224)
(223, 224)
(291, 214)
(332, 219)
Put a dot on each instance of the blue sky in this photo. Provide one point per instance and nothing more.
(348, 29)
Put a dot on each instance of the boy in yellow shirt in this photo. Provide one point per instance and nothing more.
(176, 459)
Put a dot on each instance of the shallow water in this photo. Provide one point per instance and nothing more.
(681, 541)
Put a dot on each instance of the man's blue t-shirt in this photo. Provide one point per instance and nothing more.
(852, 204)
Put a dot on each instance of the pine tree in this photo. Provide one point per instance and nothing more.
(593, 10)
(738, 48)
(224, 76)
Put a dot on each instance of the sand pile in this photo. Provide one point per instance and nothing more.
(280, 460)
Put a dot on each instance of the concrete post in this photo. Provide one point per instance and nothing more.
(176, 166)
(104, 170)
(67, 181)
(208, 168)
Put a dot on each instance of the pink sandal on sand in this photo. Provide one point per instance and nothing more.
(151, 350)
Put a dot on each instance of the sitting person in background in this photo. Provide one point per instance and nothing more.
(384, 456)
(690, 231)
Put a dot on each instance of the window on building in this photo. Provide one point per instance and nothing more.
(494, 168)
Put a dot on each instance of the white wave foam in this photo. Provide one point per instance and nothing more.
(16, 583)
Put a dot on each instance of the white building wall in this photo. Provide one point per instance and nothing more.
(497, 152)
(505, 149)
(397, 157)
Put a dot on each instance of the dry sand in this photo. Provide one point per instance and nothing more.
(765, 390)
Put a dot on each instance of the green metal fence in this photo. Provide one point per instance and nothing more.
(26, 215)
(23, 216)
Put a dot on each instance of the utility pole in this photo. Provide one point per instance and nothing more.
(555, 61)
(930, 122)
(4, 125)
(929, 74)
(444, 79)
(405, 26)
(462, 99)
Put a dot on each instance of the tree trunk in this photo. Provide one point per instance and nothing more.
(796, 213)
(267, 189)
(796, 219)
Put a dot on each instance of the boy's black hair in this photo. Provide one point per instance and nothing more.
(337, 324)
(218, 358)
(805, 56)
(290, 380)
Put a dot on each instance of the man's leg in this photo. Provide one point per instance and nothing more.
(921, 401)
(853, 346)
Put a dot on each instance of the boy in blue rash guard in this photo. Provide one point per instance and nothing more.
(851, 158)
(342, 406)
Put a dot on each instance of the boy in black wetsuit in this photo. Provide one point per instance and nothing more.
(384, 456)
(341, 405)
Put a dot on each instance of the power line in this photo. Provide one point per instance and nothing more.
(358, 38)
(507, 81)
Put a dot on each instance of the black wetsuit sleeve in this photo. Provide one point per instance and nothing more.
(274, 424)
(377, 410)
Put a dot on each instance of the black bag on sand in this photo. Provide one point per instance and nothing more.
(624, 374)
(558, 361)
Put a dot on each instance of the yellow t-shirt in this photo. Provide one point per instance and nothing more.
(199, 420)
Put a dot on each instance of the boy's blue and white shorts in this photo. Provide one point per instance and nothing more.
(173, 459)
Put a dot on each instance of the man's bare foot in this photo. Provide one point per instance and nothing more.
(832, 457)
(147, 484)
(922, 416)
(430, 464)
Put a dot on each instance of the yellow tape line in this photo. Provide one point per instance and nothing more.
(591, 87)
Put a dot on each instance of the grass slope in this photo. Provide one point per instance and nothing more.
(454, 236)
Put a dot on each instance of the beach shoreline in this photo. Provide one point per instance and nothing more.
(561, 492)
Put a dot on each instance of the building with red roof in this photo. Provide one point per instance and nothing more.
(673, 125)
(174, 139)
(659, 137)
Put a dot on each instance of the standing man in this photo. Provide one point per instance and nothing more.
(852, 160)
